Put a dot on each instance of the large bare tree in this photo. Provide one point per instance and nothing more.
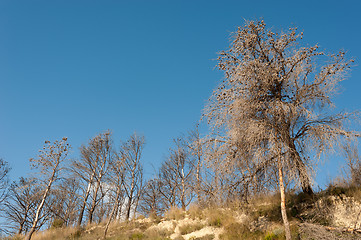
(273, 103)
(49, 163)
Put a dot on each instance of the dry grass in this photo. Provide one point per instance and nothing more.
(57, 233)
(195, 212)
(174, 213)
(261, 219)
(188, 228)
(220, 217)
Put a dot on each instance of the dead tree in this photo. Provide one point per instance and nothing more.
(21, 205)
(4, 184)
(91, 168)
(152, 202)
(66, 201)
(4, 181)
(195, 146)
(273, 102)
(116, 182)
(49, 163)
(131, 152)
(176, 176)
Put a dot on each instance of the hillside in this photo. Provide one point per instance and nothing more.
(331, 214)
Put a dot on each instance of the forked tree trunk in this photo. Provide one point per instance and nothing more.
(283, 203)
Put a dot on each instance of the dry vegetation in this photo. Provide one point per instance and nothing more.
(260, 219)
(270, 123)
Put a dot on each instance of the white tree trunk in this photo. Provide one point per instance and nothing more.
(283, 203)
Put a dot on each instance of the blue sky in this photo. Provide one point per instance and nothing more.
(77, 68)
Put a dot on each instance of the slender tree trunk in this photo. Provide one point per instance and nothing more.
(80, 219)
(92, 208)
(130, 195)
(115, 207)
(283, 203)
(198, 176)
(129, 206)
(183, 193)
(40, 207)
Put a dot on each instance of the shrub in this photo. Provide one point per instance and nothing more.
(57, 223)
(237, 231)
(195, 212)
(205, 237)
(219, 217)
(188, 228)
(174, 213)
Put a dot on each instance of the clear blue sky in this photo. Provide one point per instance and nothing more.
(77, 68)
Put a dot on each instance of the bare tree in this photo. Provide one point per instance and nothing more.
(50, 164)
(91, 168)
(66, 201)
(21, 205)
(4, 184)
(152, 203)
(131, 152)
(353, 162)
(273, 103)
(176, 176)
(116, 182)
(195, 146)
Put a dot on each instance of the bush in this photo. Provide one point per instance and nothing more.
(57, 223)
(237, 231)
(188, 228)
(195, 212)
(175, 213)
(219, 217)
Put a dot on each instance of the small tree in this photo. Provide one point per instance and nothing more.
(152, 201)
(21, 205)
(49, 163)
(273, 104)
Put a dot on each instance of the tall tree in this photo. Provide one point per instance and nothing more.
(273, 103)
(131, 151)
(116, 196)
(92, 168)
(49, 163)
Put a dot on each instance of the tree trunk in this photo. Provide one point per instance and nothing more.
(115, 207)
(40, 207)
(283, 203)
(183, 193)
(84, 202)
(94, 203)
